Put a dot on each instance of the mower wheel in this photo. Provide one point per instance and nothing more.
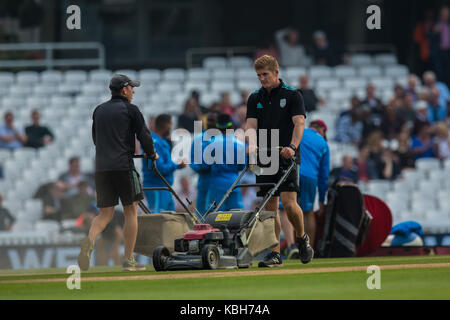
(160, 256)
(210, 256)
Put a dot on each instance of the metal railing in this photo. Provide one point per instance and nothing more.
(368, 48)
(208, 51)
(49, 62)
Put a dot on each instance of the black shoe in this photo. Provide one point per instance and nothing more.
(273, 259)
(306, 252)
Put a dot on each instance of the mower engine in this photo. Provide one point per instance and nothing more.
(194, 240)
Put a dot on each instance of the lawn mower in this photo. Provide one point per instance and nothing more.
(225, 239)
(155, 229)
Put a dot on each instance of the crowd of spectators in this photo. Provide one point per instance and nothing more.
(390, 137)
(34, 135)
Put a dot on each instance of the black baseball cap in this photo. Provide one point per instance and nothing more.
(224, 121)
(119, 81)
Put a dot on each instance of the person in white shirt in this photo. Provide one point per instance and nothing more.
(442, 141)
(292, 54)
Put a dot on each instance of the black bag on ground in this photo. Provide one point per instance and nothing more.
(346, 223)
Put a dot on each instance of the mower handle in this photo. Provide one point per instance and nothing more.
(168, 186)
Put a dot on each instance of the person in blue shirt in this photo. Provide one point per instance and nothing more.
(430, 81)
(200, 142)
(422, 144)
(437, 111)
(314, 171)
(161, 200)
(225, 171)
(11, 137)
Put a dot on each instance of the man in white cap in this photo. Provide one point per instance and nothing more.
(421, 119)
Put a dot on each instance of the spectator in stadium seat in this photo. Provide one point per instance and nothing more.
(422, 144)
(391, 123)
(6, 219)
(370, 121)
(196, 95)
(376, 105)
(214, 107)
(347, 172)
(244, 97)
(292, 54)
(403, 152)
(52, 197)
(78, 203)
(324, 53)
(70, 179)
(389, 165)
(365, 165)
(10, 137)
(354, 104)
(429, 80)
(375, 144)
(309, 96)
(442, 141)
(406, 111)
(226, 106)
(421, 118)
(350, 128)
(38, 136)
(191, 113)
(399, 96)
(436, 111)
(413, 82)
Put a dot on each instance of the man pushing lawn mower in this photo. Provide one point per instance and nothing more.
(280, 110)
(116, 124)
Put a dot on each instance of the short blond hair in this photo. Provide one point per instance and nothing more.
(266, 62)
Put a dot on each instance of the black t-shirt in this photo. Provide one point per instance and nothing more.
(274, 110)
(116, 125)
(35, 135)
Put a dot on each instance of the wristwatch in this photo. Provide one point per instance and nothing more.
(293, 147)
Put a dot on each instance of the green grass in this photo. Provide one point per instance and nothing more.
(424, 283)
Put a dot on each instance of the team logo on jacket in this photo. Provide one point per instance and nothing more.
(282, 103)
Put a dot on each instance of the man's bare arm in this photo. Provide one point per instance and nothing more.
(299, 127)
(251, 124)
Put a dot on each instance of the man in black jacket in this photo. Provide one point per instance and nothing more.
(116, 124)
